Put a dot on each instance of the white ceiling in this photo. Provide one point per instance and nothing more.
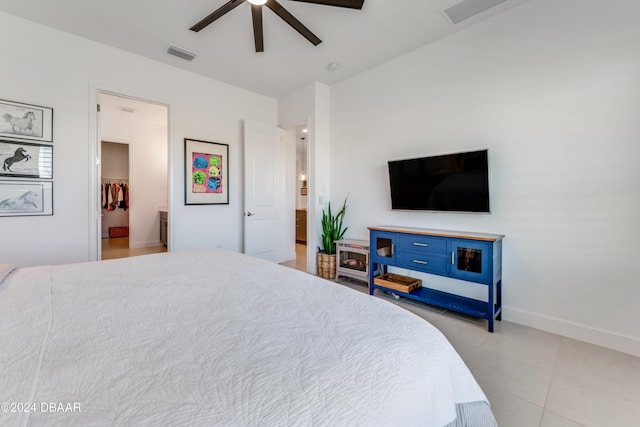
(356, 39)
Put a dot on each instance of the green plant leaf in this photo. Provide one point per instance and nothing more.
(332, 227)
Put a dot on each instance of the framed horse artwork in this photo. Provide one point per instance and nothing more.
(26, 160)
(26, 198)
(25, 121)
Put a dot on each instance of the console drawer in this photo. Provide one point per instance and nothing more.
(420, 244)
(422, 262)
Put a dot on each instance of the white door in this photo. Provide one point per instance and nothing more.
(262, 191)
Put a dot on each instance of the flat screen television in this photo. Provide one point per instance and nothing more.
(456, 182)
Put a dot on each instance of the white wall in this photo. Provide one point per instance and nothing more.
(552, 88)
(55, 69)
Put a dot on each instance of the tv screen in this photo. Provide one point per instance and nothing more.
(453, 182)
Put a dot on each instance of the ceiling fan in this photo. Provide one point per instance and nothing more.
(256, 13)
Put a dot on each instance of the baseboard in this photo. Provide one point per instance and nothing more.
(573, 330)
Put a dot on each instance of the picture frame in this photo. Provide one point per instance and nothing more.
(303, 191)
(26, 198)
(206, 172)
(20, 121)
(26, 160)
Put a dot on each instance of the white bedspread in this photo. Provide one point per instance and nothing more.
(217, 338)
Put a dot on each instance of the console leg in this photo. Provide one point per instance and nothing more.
(372, 272)
(499, 299)
(491, 309)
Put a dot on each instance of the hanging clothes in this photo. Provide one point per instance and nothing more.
(110, 195)
(123, 201)
(115, 195)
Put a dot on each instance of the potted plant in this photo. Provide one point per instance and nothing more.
(332, 230)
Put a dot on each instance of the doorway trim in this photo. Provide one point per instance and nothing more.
(95, 232)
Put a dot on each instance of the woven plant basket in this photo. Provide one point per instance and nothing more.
(326, 265)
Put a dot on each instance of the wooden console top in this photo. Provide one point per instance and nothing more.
(443, 233)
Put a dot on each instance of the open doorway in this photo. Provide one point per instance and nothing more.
(302, 183)
(300, 186)
(114, 193)
(133, 176)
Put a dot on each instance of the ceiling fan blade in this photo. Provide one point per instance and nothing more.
(217, 14)
(351, 4)
(256, 14)
(291, 20)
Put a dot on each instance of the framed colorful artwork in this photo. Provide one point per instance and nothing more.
(25, 121)
(206, 173)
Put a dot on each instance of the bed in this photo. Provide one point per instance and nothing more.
(218, 338)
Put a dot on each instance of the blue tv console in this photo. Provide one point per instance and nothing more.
(472, 257)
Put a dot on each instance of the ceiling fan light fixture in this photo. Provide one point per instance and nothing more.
(257, 2)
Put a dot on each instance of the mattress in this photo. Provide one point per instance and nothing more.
(214, 337)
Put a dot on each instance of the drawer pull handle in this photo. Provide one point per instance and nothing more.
(417, 261)
(420, 244)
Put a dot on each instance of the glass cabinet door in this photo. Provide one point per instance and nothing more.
(471, 260)
(382, 247)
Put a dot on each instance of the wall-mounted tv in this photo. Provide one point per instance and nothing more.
(452, 183)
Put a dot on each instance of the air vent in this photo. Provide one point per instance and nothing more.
(468, 8)
(181, 53)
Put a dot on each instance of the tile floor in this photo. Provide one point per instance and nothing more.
(537, 379)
